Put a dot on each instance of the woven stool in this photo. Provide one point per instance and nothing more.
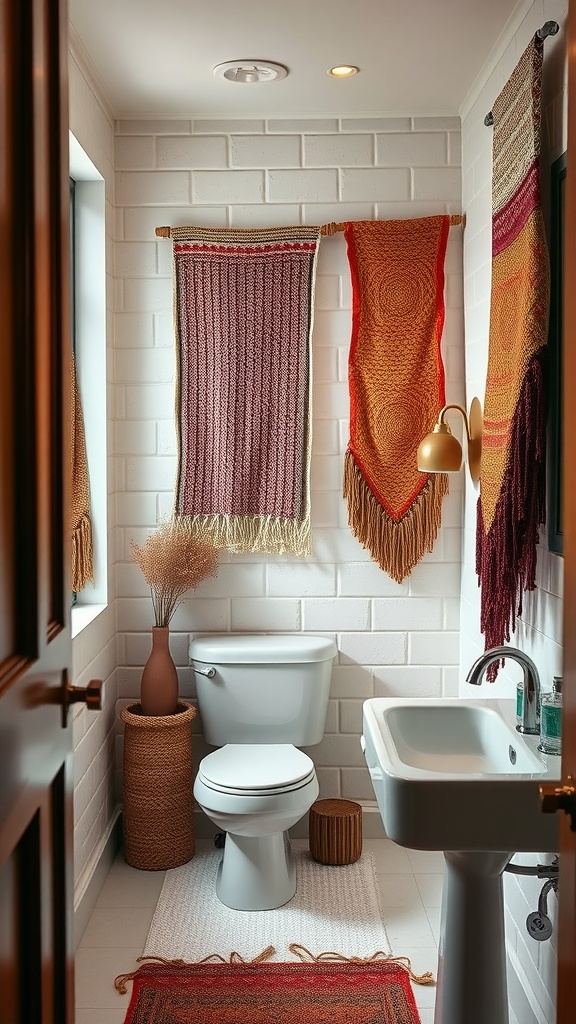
(158, 780)
(335, 831)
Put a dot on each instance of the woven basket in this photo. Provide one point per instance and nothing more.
(335, 831)
(158, 817)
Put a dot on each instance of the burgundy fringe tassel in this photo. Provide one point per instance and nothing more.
(506, 555)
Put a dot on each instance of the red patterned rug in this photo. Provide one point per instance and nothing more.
(272, 993)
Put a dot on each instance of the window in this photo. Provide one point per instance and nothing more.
(88, 237)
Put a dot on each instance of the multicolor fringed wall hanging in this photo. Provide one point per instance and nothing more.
(512, 494)
(243, 318)
(396, 381)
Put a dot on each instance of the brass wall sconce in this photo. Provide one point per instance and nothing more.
(441, 452)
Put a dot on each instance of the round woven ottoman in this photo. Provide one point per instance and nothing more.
(335, 831)
(158, 815)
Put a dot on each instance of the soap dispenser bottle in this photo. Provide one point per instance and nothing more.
(551, 719)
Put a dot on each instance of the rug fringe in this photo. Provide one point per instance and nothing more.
(396, 545)
(380, 956)
(269, 534)
(234, 958)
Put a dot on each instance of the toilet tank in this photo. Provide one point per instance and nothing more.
(263, 689)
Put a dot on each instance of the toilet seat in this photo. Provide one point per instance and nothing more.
(256, 769)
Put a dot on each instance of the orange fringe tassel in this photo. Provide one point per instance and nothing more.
(82, 556)
(379, 957)
(397, 546)
(234, 958)
(300, 951)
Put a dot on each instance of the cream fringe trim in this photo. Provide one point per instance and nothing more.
(300, 951)
(397, 546)
(379, 957)
(234, 958)
(251, 533)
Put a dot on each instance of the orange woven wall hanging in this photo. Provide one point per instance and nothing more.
(396, 383)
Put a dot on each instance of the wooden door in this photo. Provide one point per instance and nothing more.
(566, 1013)
(36, 898)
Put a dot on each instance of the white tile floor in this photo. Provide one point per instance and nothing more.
(410, 885)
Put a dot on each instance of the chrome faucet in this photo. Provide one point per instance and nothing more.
(531, 693)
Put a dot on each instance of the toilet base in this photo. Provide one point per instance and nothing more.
(256, 872)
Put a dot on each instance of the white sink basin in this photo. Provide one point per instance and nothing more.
(457, 739)
(456, 775)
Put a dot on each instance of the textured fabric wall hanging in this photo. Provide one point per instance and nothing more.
(243, 318)
(512, 495)
(81, 522)
(396, 381)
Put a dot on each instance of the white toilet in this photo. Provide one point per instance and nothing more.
(260, 698)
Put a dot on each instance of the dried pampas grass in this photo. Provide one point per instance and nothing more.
(173, 560)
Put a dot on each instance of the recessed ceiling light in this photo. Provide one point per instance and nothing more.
(250, 72)
(343, 71)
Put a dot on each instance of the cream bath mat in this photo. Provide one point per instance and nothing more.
(335, 909)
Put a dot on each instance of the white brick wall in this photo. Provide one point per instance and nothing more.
(391, 638)
(94, 649)
(539, 630)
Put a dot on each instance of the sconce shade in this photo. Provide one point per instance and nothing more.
(440, 451)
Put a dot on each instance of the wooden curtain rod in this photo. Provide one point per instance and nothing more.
(326, 229)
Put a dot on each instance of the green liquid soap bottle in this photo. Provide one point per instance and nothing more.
(520, 706)
(551, 719)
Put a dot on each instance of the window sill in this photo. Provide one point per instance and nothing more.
(82, 615)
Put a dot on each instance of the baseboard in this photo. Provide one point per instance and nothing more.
(521, 998)
(89, 885)
(372, 827)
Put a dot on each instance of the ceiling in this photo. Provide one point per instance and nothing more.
(416, 57)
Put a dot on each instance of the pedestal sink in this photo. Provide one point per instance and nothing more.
(456, 776)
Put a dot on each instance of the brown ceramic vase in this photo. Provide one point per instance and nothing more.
(159, 684)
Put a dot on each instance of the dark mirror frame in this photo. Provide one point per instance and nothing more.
(556, 242)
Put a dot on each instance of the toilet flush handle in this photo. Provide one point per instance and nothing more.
(208, 670)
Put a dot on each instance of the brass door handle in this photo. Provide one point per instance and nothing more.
(559, 798)
(91, 695)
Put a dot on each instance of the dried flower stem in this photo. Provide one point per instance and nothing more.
(173, 561)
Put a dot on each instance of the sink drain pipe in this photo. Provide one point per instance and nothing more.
(537, 870)
(538, 924)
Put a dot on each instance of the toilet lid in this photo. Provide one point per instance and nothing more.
(256, 768)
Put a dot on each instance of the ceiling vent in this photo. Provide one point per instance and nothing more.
(250, 72)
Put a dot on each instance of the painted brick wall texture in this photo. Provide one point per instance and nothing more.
(391, 638)
(406, 639)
